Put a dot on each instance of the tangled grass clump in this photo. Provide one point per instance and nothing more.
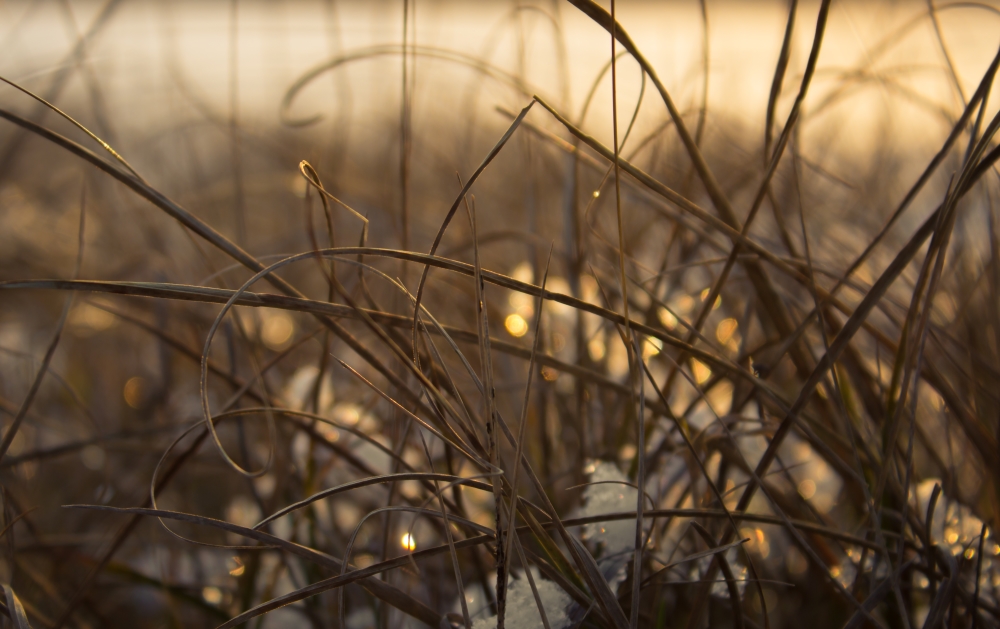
(672, 372)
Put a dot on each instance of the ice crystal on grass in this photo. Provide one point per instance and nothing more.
(609, 492)
(522, 611)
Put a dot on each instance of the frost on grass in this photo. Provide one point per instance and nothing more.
(614, 543)
(522, 611)
(615, 540)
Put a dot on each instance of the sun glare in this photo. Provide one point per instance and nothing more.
(408, 542)
(516, 325)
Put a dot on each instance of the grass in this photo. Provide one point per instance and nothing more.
(653, 370)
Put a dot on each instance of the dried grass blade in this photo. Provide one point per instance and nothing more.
(107, 147)
(458, 201)
(779, 77)
(16, 610)
(489, 399)
(22, 411)
(519, 445)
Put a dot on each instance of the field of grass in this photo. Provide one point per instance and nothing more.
(498, 317)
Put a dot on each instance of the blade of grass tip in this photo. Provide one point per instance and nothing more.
(779, 78)
(458, 201)
(328, 271)
(727, 573)
(312, 177)
(706, 56)
(107, 147)
(522, 427)
(17, 615)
